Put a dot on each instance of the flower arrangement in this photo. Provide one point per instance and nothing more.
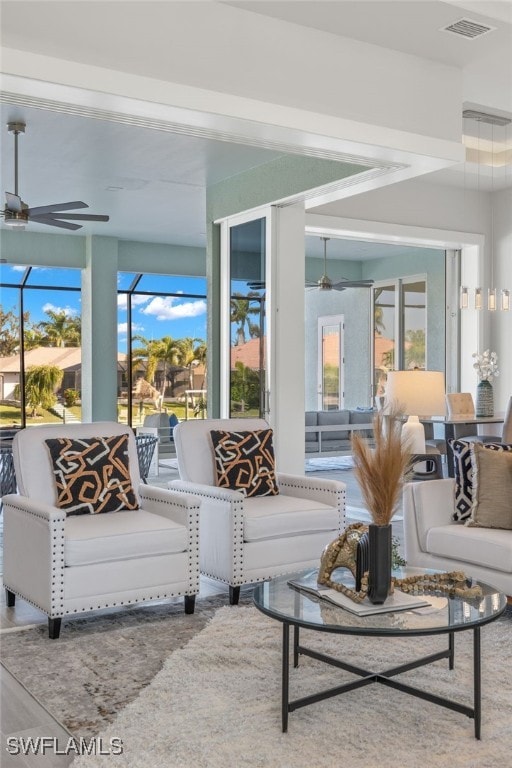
(486, 365)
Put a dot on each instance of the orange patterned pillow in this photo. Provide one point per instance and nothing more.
(92, 474)
(244, 461)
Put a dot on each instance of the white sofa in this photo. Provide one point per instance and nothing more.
(433, 540)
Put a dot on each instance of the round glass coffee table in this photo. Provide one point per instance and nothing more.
(447, 615)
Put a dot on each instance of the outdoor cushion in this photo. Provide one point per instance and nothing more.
(121, 536)
(329, 418)
(311, 421)
(281, 516)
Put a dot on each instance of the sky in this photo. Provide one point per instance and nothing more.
(153, 316)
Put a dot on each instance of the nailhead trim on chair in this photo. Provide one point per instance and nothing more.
(56, 527)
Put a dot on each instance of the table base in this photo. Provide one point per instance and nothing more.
(368, 677)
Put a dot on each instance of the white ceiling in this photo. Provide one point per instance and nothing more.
(409, 26)
(153, 183)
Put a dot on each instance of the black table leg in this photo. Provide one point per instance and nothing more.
(285, 676)
(295, 646)
(449, 434)
(477, 682)
(451, 646)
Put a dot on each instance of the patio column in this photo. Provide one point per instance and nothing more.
(99, 330)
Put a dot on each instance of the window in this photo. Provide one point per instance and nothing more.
(40, 346)
(161, 346)
(247, 255)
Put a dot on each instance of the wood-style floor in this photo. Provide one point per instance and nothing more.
(21, 715)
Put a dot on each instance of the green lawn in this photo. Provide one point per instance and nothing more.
(10, 415)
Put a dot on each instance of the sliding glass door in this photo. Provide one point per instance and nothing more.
(399, 327)
(245, 293)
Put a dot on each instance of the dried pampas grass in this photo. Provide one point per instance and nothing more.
(381, 471)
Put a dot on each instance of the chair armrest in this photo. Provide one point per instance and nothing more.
(315, 488)
(34, 538)
(52, 515)
(426, 505)
(178, 507)
(222, 528)
(206, 491)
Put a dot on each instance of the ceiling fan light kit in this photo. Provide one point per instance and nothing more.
(17, 213)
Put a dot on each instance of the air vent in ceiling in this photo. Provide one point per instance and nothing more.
(468, 28)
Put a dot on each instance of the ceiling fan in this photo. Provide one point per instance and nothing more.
(324, 283)
(17, 213)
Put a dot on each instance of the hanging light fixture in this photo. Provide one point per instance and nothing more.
(492, 291)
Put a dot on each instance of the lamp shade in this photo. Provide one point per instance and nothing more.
(418, 393)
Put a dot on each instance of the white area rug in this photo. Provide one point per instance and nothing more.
(329, 463)
(216, 704)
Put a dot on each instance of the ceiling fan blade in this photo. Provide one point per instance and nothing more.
(256, 285)
(13, 202)
(57, 207)
(342, 284)
(77, 216)
(55, 222)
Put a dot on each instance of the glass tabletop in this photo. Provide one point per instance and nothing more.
(278, 599)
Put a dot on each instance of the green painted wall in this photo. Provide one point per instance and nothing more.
(430, 262)
(355, 305)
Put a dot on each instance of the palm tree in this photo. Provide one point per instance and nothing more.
(241, 311)
(166, 351)
(415, 349)
(61, 330)
(201, 353)
(40, 384)
(188, 356)
(146, 355)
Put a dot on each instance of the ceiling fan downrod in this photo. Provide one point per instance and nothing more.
(16, 129)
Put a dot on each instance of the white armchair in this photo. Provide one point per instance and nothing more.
(66, 564)
(245, 540)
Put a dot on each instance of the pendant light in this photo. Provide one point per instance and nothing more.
(492, 292)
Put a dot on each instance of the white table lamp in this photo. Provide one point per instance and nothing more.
(416, 393)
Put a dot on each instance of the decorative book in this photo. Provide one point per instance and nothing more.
(397, 601)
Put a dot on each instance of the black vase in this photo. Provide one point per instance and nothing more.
(379, 562)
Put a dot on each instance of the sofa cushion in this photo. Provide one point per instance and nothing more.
(311, 421)
(92, 474)
(486, 547)
(121, 536)
(362, 416)
(281, 516)
(244, 461)
(332, 418)
(492, 488)
(463, 473)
